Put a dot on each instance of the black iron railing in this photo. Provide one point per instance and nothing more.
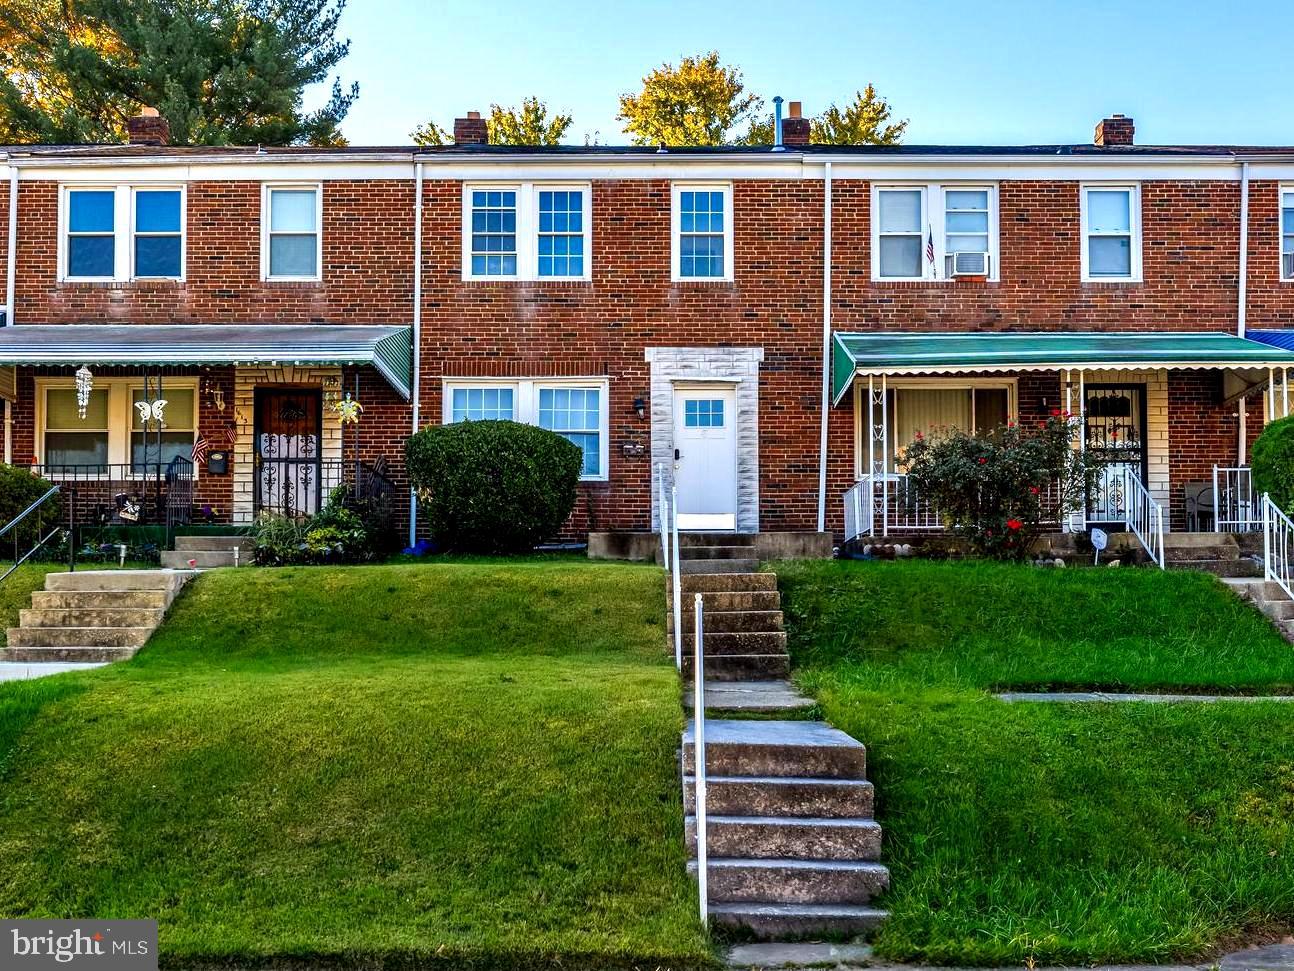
(36, 528)
(124, 494)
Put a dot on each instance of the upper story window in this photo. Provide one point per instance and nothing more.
(1111, 217)
(291, 239)
(527, 231)
(1287, 234)
(120, 233)
(702, 233)
(934, 232)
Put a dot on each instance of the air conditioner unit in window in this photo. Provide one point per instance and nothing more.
(966, 264)
(1287, 266)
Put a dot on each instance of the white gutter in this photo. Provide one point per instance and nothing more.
(825, 404)
(417, 335)
(1242, 301)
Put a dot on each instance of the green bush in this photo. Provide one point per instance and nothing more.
(19, 488)
(1272, 461)
(335, 534)
(493, 486)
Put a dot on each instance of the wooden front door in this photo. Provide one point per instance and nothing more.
(288, 450)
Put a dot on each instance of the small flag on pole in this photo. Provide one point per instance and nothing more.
(200, 448)
(231, 433)
(930, 248)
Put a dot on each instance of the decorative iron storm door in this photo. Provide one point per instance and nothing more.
(1114, 433)
(289, 467)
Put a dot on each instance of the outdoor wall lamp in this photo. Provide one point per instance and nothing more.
(640, 407)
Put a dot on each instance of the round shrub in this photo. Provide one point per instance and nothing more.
(18, 490)
(493, 486)
(1273, 463)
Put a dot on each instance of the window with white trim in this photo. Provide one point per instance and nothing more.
(574, 408)
(702, 236)
(1111, 217)
(114, 431)
(1287, 234)
(527, 231)
(934, 231)
(291, 234)
(118, 233)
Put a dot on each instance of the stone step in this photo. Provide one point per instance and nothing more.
(42, 655)
(793, 881)
(704, 583)
(91, 600)
(729, 621)
(1183, 540)
(742, 667)
(99, 580)
(686, 553)
(1191, 553)
(203, 559)
(749, 697)
(91, 617)
(782, 922)
(719, 643)
(78, 636)
(1277, 609)
(743, 600)
(782, 796)
(245, 543)
(1256, 588)
(795, 838)
(687, 539)
(794, 749)
(693, 567)
(1220, 568)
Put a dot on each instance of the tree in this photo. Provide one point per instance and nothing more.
(429, 133)
(697, 103)
(220, 71)
(529, 125)
(863, 122)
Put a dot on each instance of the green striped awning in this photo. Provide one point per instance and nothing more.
(925, 353)
(387, 349)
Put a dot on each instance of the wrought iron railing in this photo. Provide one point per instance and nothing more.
(1278, 546)
(1237, 508)
(303, 487)
(35, 528)
(127, 494)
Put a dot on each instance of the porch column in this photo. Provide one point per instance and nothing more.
(878, 450)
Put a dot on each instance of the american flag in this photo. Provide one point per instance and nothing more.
(200, 448)
(930, 246)
(231, 434)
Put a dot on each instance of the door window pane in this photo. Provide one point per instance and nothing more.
(703, 413)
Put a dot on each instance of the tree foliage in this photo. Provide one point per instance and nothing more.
(220, 71)
(429, 133)
(527, 125)
(864, 121)
(697, 103)
(1272, 460)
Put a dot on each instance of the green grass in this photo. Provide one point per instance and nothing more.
(1059, 833)
(460, 765)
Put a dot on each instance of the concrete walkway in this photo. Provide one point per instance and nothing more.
(1087, 697)
(23, 671)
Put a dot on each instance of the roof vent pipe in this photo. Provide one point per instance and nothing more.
(777, 124)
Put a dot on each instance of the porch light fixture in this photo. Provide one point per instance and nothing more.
(640, 407)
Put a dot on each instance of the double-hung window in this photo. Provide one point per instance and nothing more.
(118, 233)
(73, 441)
(291, 234)
(575, 408)
(527, 231)
(1287, 234)
(154, 443)
(934, 231)
(1111, 217)
(702, 232)
(901, 232)
(967, 233)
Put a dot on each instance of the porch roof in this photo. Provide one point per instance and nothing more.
(962, 353)
(387, 349)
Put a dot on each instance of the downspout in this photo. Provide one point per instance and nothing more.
(417, 336)
(825, 407)
(1242, 301)
(10, 288)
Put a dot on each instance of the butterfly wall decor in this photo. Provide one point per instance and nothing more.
(151, 411)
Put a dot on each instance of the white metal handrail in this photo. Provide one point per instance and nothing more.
(1278, 541)
(698, 754)
(662, 515)
(1236, 507)
(674, 578)
(858, 509)
(1144, 516)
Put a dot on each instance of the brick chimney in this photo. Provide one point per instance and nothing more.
(1115, 130)
(795, 129)
(471, 130)
(148, 128)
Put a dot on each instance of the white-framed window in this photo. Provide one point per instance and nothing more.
(575, 408)
(118, 233)
(701, 232)
(1287, 233)
(527, 231)
(1111, 220)
(113, 436)
(934, 231)
(292, 231)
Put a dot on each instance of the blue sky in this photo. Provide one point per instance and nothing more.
(988, 71)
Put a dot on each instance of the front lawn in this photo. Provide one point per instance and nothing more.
(466, 765)
(1057, 833)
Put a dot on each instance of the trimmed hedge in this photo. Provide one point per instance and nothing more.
(1272, 461)
(493, 486)
(19, 488)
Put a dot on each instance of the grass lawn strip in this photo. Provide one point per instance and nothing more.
(469, 765)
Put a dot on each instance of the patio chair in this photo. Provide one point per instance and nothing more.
(1201, 516)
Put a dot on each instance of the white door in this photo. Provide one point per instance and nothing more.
(705, 445)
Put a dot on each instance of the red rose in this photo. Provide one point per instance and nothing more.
(1033, 490)
(1055, 413)
(1013, 524)
(982, 460)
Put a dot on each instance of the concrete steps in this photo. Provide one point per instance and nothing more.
(1216, 553)
(793, 848)
(741, 667)
(96, 615)
(209, 552)
(730, 621)
(686, 567)
(1270, 598)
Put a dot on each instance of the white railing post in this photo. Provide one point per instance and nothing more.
(1217, 505)
(698, 712)
(678, 586)
(660, 514)
(1268, 573)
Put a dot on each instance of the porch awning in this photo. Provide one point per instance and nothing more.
(924, 353)
(387, 349)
